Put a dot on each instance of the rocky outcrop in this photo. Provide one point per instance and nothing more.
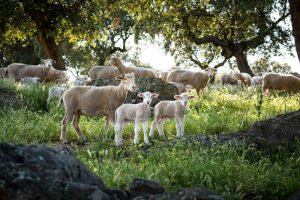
(40, 172)
(165, 90)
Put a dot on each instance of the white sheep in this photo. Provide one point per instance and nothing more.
(2, 73)
(97, 72)
(134, 113)
(169, 109)
(257, 80)
(82, 80)
(181, 87)
(198, 80)
(56, 91)
(228, 79)
(244, 78)
(163, 75)
(276, 81)
(139, 72)
(94, 101)
(29, 80)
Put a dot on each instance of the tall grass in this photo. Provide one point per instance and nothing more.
(235, 172)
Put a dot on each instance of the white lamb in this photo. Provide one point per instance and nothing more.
(56, 91)
(30, 80)
(170, 109)
(134, 112)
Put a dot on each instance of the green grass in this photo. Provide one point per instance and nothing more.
(235, 172)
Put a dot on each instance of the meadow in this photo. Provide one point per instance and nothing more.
(232, 171)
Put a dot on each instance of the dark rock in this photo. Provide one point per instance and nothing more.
(165, 90)
(294, 196)
(10, 99)
(40, 172)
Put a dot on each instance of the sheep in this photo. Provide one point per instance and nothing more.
(244, 78)
(163, 75)
(257, 80)
(97, 72)
(181, 87)
(139, 72)
(94, 101)
(45, 72)
(228, 79)
(198, 80)
(82, 80)
(2, 72)
(29, 80)
(170, 109)
(134, 113)
(276, 81)
(56, 91)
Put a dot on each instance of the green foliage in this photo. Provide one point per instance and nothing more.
(264, 65)
(232, 170)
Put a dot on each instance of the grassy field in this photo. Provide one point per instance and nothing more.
(235, 172)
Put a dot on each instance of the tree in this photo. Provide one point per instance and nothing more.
(233, 28)
(295, 19)
(264, 65)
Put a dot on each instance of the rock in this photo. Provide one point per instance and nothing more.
(10, 99)
(294, 196)
(165, 90)
(40, 172)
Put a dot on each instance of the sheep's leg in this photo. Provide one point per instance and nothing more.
(161, 127)
(81, 137)
(145, 127)
(48, 101)
(136, 132)
(152, 129)
(182, 127)
(67, 118)
(198, 92)
(119, 126)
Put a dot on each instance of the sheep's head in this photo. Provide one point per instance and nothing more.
(187, 88)
(148, 96)
(184, 98)
(114, 59)
(48, 62)
(128, 81)
(210, 72)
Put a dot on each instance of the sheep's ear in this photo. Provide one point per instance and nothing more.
(177, 97)
(154, 95)
(141, 95)
(192, 97)
(120, 77)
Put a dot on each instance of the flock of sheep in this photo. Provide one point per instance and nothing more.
(108, 101)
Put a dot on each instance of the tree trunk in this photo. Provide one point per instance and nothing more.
(242, 63)
(295, 19)
(51, 50)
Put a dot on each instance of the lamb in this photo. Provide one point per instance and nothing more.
(257, 80)
(82, 80)
(45, 72)
(139, 72)
(181, 87)
(30, 80)
(56, 91)
(163, 75)
(94, 101)
(244, 78)
(276, 81)
(134, 113)
(198, 80)
(170, 109)
(2, 72)
(228, 79)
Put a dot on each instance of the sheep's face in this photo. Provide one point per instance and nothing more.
(48, 62)
(35, 79)
(187, 88)
(184, 98)
(148, 96)
(210, 72)
(128, 81)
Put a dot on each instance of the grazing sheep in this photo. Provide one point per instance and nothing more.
(139, 72)
(181, 87)
(228, 79)
(82, 80)
(29, 80)
(257, 80)
(97, 72)
(198, 80)
(163, 75)
(244, 78)
(2, 72)
(45, 72)
(56, 91)
(275, 81)
(170, 109)
(94, 101)
(134, 113)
